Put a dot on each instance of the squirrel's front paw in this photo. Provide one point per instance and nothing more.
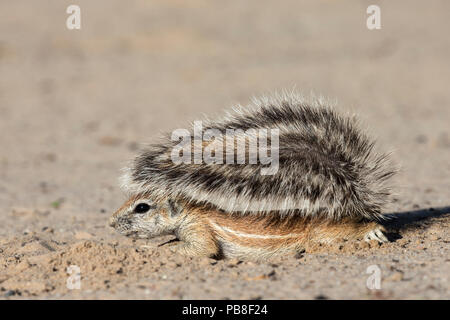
(174, 246)
(188, 249)
(376, 234)
(181, 248)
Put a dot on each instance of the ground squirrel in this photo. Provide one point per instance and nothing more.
(328, 185)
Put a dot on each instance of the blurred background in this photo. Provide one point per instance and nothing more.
(76, 104)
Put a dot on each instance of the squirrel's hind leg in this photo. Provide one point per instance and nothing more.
(351, 230)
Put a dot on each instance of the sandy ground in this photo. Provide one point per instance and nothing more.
(75, 106)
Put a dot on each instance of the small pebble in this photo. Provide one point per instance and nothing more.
(82, 235)
(396, 276)
(10, 293)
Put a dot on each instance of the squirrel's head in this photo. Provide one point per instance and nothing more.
(141, 217)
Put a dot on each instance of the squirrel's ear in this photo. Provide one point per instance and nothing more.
(174, 208)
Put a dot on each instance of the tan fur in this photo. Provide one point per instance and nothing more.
(206, 231)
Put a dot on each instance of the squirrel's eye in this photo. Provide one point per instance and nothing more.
(141, 208)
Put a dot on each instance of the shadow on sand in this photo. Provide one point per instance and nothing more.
(408, 220)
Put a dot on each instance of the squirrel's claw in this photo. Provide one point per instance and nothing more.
(376, 234)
